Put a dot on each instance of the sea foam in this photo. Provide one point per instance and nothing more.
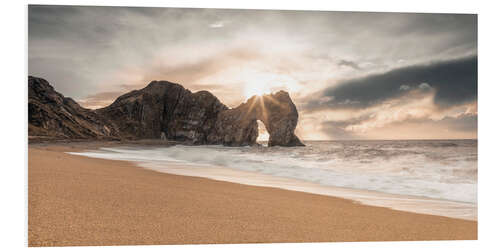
(372, 172)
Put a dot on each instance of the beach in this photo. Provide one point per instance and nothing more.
(75, 200)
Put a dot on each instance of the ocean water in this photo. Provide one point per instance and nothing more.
(427, 176)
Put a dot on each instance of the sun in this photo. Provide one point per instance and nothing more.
(254, 88)
(260, 83)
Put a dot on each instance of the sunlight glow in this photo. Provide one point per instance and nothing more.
(260, 83)
(256, 88)
(263, 134)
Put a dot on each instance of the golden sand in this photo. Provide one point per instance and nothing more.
(75, 200)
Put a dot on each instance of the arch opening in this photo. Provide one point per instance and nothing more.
(263, 136)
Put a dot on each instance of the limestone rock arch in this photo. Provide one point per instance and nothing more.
(238, 126)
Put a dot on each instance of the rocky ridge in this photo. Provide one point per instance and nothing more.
(162, 110)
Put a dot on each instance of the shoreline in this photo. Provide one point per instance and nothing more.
(401, 202)
(77, 200)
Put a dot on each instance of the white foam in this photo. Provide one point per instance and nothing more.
(402, 172)
(388, 186)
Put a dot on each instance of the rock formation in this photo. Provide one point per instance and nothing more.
(238, 126)
(163, 110)
(51, 115)
(165, 107)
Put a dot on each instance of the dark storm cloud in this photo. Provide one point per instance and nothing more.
(455, 82)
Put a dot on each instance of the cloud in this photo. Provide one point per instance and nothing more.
(412, 115)
(191, 72)
(99, 100)
(416, 104)
(218, 24)
(464, 122)
(337, 130)
(455, 82)
(424, 85)
(349, 64)
(402, 126)
(404, 87)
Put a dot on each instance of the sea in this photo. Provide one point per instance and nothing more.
(436, 177)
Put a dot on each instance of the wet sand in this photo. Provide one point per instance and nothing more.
(75, 200)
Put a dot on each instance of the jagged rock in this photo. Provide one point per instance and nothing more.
(164, 110)
(51, 115)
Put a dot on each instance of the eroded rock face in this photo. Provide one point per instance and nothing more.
(238, 126)
(168, 108)
(51, 115)
(164, 110)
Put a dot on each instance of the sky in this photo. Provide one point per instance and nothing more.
(352, 75)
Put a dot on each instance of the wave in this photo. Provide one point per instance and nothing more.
(417, 168)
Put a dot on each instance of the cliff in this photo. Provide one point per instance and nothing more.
(51, 115)
(165, 107)
(162, 110)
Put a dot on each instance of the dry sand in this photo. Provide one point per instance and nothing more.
(75, 200)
